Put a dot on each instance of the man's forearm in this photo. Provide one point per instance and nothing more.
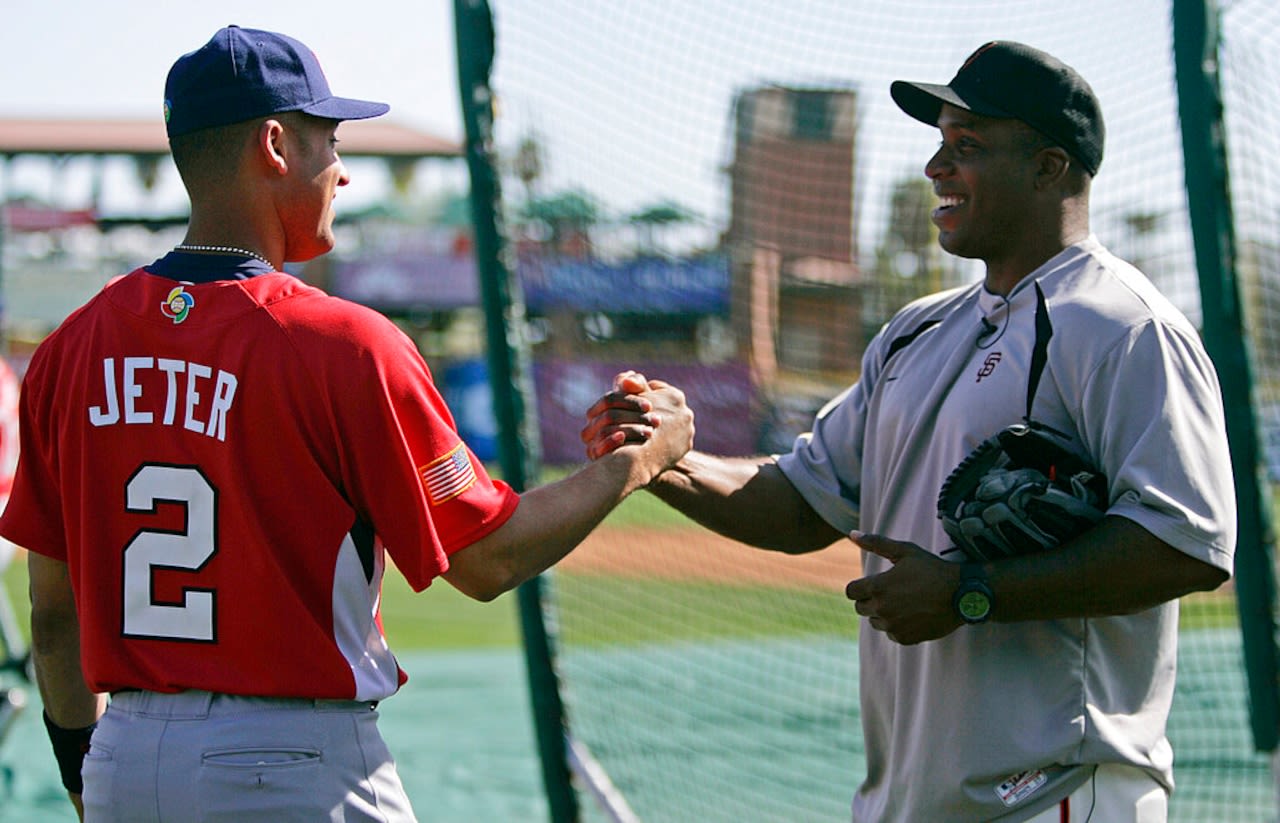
(747, 499)
(55, 646)
(67, 700)
(1117, 567)
(70, 708)
(549, 522)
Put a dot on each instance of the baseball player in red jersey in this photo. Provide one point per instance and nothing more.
(216, 459)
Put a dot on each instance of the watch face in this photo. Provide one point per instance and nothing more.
(974, 605)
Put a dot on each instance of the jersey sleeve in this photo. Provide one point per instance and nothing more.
(1152, 411)
(825, 464)
(405, 468)
(33, 517)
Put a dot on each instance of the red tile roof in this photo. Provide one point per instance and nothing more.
(360, 138)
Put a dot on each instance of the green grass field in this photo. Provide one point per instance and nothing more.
(439, 618)
(442, 618)
(613, 611)
(14, 580)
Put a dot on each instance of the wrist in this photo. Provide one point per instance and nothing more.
(69, 748)
(627, 468)
(973, 599)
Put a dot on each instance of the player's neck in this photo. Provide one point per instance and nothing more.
(231, 233)
(1006, 272)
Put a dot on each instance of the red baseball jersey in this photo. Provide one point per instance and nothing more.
(221, 466)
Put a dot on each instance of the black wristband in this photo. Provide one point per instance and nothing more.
(69, 748)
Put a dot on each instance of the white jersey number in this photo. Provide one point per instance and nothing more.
(186, 550)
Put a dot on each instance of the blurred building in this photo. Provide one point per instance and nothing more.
(791, 240)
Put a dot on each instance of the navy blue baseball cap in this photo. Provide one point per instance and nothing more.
(1013, 80)
(245, 73)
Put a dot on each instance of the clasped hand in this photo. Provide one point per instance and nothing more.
(632, 413)
(635, 412)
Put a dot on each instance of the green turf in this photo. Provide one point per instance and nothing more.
(15, 585)
(443, 618)
(643, 509)
(1209, 610)
(616, 611)
(437, 619)
(640, 509)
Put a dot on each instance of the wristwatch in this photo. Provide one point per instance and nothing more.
(973, 599)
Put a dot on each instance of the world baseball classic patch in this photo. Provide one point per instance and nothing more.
(448, 476)
(1020, 786)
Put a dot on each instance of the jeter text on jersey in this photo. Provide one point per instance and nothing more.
(191, 394)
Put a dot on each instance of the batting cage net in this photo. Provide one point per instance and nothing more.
(723, 195)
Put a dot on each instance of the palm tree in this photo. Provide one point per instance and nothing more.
(648, 221)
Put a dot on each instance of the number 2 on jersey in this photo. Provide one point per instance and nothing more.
(186, 550)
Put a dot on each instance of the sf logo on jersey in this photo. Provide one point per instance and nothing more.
(178, 304)
(988, 366)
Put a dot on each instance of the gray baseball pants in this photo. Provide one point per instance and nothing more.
(199, 756)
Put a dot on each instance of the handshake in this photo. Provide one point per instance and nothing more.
(640, 413)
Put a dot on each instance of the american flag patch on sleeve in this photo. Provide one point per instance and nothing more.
(449, 476)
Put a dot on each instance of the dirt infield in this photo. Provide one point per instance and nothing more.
(697, 554)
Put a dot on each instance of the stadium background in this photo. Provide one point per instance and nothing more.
(739, 216)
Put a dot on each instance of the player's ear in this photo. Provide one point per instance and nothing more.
(1052, 166)
(272, 145)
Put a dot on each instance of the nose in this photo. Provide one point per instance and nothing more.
(938, 164)
(343, 176)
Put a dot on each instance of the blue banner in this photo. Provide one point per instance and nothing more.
(647, 286)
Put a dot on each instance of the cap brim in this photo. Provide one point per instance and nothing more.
(923, 101)
(345, 108)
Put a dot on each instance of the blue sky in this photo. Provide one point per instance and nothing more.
(87, 58)
(90, 58)
(633, 97)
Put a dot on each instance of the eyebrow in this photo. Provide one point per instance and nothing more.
(959, 124)
(962, 118)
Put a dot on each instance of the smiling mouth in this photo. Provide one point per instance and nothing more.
(947, 202)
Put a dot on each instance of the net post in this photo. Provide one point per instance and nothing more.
(1195, 45)
(509, 377)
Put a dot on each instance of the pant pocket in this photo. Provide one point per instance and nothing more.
(252, 757)
(261, 784)
(99, 774)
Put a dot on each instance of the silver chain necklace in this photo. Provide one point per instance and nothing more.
(223, 250)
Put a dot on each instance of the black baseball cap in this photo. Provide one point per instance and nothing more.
(241, 74)
(1013, 80)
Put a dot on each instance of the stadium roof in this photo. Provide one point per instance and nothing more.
(145, 137)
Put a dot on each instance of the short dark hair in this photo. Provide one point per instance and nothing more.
(1031, 140)
(201, 154)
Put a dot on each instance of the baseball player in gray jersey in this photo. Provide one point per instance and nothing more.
(1035, 687)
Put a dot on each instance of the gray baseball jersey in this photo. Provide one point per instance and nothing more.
(998, 721)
